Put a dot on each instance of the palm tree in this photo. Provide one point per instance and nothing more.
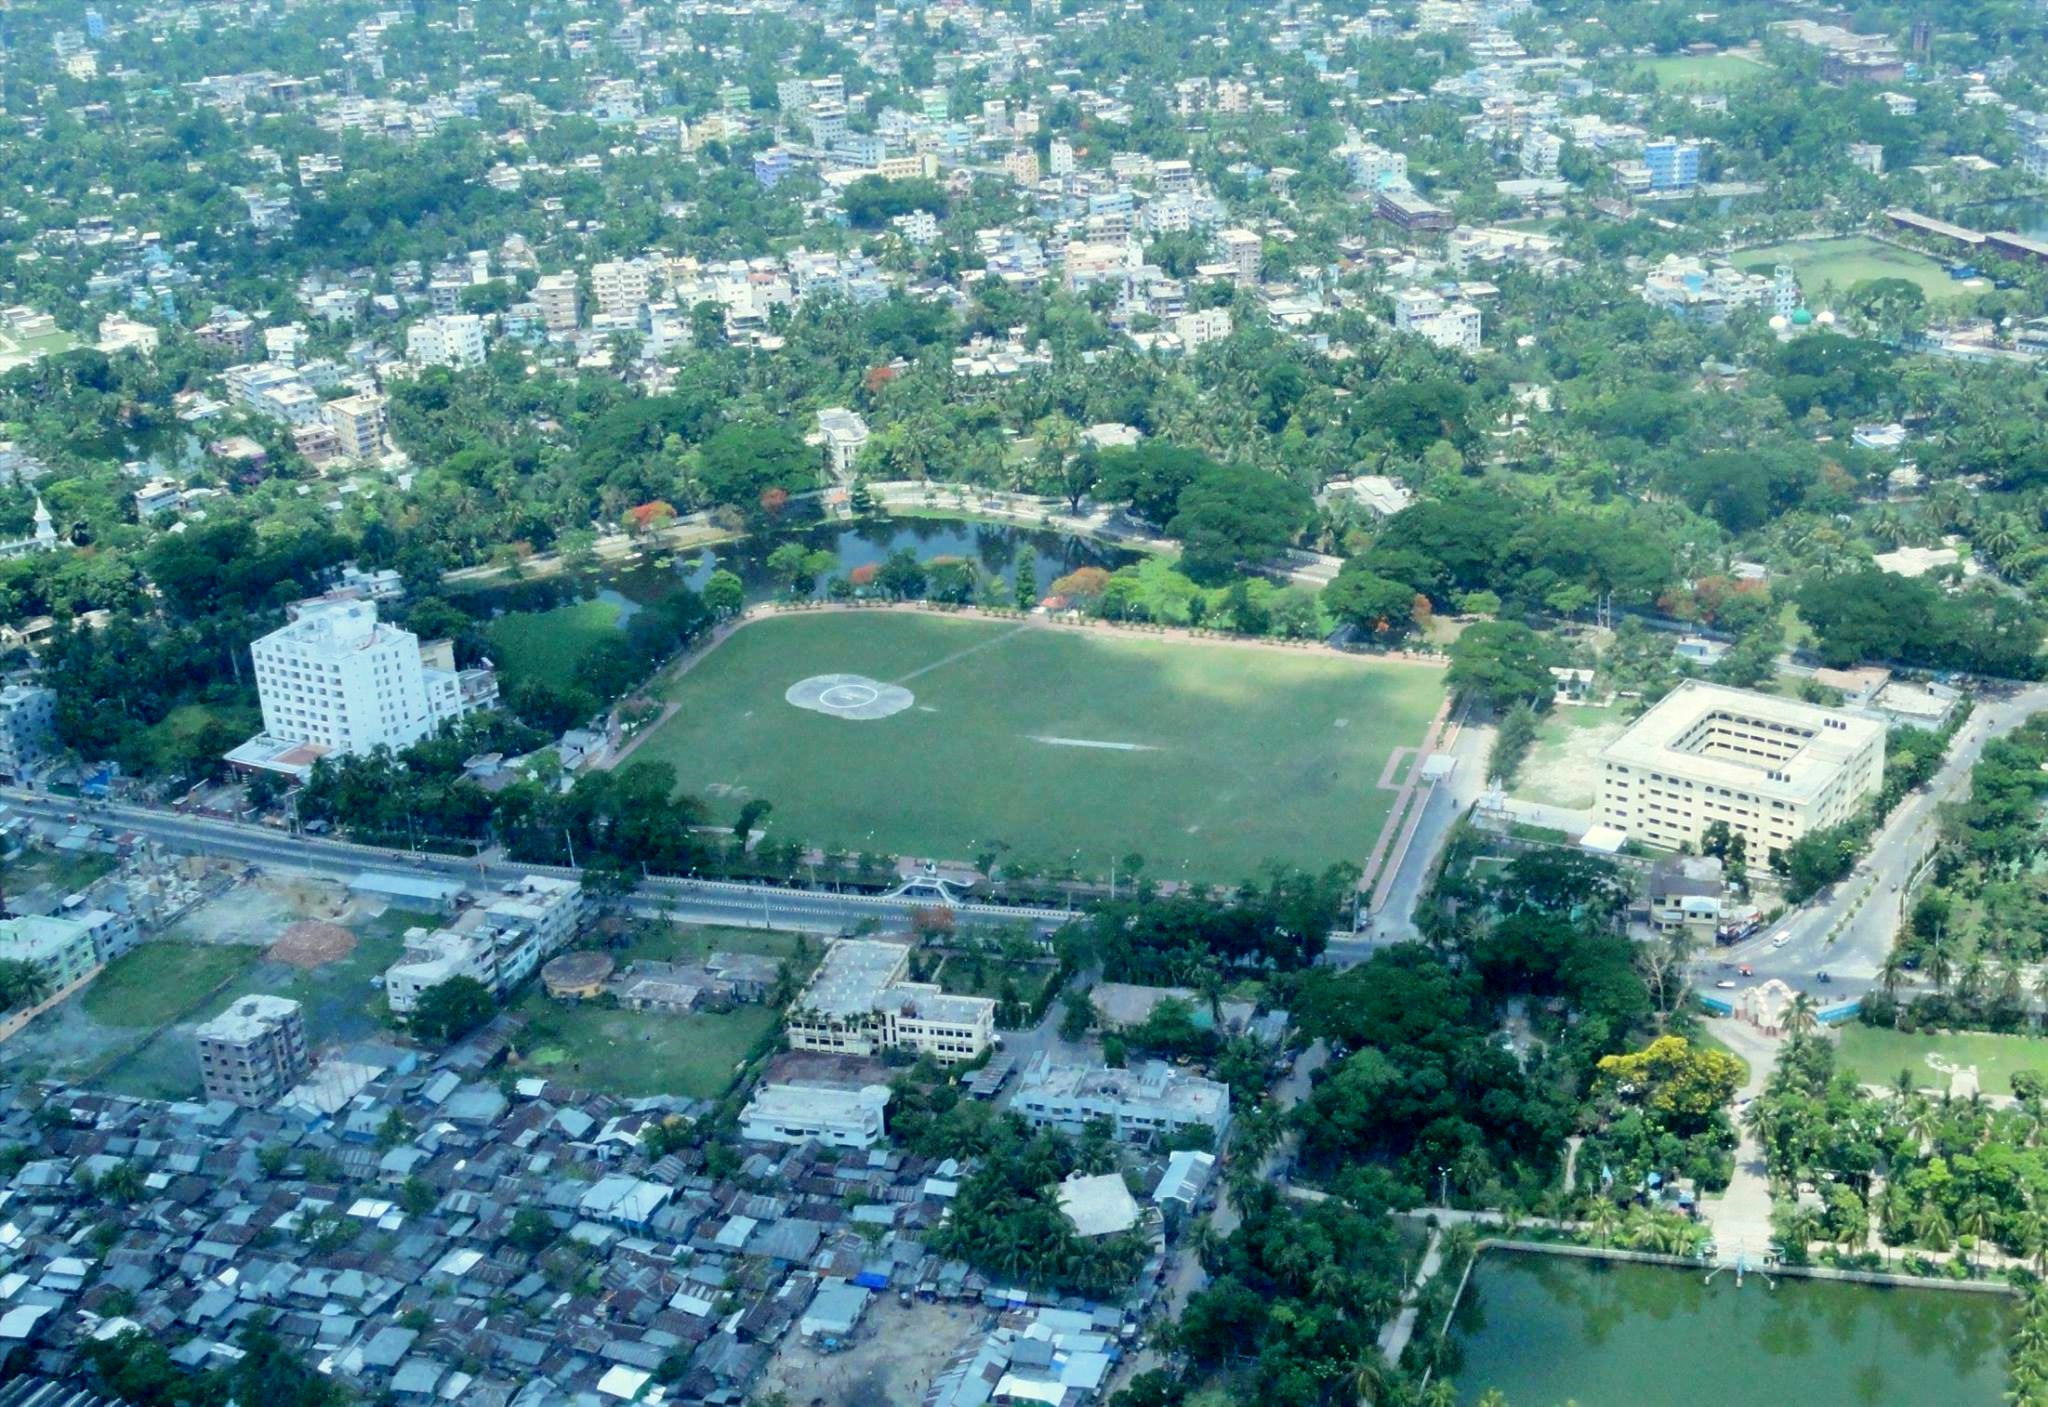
(1888, 526)
(1976, 1219)
(1970, 981)
(1604, 1218)
(1933, 1229)
(1803, 1018)
(1891, 972)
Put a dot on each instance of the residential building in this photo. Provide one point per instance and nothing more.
(337, 681)
(434, 956)
(1772, 769)
(228, 332)
(858, 1003)
(358, 424)
(1405, 208)
(1245, 253)
(28, 729)
(1674, 165)
(1867, 156)
(447, 339)
(557, 295)
(61, 947)
(1453, 324)
(1060, 157)
(1098, 1206)
(535, 917)
(1021, 166)
(1541, 152)
(844, 434)
(1152, 1101)
(254, 1051)
(1200, 328)
(622, 286)
(812, 1113)
(1710, 293)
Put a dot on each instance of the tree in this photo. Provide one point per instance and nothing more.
(1378, 606)
(1502, 663)
(22, 984)
(1027, 578)
(1685, 1084)
(450, 1010)
(724, 594)
(1233, 513)
(742, 462)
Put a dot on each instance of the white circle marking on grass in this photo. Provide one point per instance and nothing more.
(853, 696)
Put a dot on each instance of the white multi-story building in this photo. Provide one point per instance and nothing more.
(254, 1051)
(434, 956)
(1541, 152)
(1199, 328)
(844, 435)
(809, 1113)
(61, 948)
(1455, 325)
(336, 681)
(536, 917)
(1772, 769)
(450, 339)
(857, 1003)
(1374, 167)
(1060, 157)
(622, 287)
(1149, 1102)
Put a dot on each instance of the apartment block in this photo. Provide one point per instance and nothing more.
(358, 424)
(61, 947)
(1138, 1105)
(1771, 768)
(449, 339)
(254, 1051)
(1242, 248)
(622, 287)
(829, 1115)
(557, 296)
(28, 729)
(1452, 324)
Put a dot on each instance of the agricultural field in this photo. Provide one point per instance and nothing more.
(1845, 262)
(925, 735)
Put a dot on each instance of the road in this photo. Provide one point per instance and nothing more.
(682, 900)
(1863, 911)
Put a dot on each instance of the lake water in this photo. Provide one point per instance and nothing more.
(1549, 1329)
(994, 548)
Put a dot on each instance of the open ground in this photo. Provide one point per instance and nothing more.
(1875, 1056)
(1049, 746)
(897, 1352)
(1563, 768)
(1701, 72)
(1848, 261)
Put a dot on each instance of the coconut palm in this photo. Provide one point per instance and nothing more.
(1891, 972)
(1933, 1229)
(1604, 1219)
(1804, 1017)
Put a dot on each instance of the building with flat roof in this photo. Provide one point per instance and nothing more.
(28, 729)
(1098, 1206)
(810, 1113)
(1771, 768)
(857, 1003)
(62, 948)
(1151, 1101)
(431, 957)
(254, 1051)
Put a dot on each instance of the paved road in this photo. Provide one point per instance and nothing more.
(1741, 1213)
(1867, 905)
(1448, 799)
(684, 900)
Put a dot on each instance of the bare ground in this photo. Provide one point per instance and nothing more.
(1563, 768)
(895, 1356)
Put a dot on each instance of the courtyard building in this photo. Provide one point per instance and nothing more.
(858, 1003)
(1772, 769)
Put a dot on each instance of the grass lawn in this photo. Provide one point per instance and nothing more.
(160, 981)
(1069, 749)
(1847, 261)
(635, 1053)
(1875, 1056)
(548, 645)
(1563, 767)
(63, 870)
(1700, 72)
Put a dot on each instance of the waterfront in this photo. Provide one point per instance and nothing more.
(1549, 1329)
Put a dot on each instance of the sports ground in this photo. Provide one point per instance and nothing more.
(1846, 262)
(1068, 747)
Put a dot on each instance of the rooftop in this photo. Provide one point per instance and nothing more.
(854, 975)
(249, 1018)
(1680, 733)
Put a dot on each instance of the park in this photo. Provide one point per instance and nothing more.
(1051, 747)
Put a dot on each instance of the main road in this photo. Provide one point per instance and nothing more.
(1847, 931)
(683, 900)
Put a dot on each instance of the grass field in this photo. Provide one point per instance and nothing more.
(159, 981)
(1876, 1056)
(548, 645)
(63, 870)
(1068, 749)
(1700, 72)
(1845, 262)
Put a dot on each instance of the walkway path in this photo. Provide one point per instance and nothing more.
(1741, 1215)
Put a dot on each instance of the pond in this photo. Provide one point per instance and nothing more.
(995, 550)
(1546, 1329)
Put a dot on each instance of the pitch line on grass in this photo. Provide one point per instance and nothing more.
(1092, 742)
(959, 655)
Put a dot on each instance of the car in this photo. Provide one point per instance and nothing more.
(1745, 970)
(1781, 940)
(1725, 986)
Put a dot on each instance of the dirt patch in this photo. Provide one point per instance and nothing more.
(896, 1353)
(312, 943)
(259, 912)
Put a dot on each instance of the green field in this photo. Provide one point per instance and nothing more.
(1876, 1056)
(548, 645)
(1068, 749)
(1845, 262)
(1700, 72)
(160, 981)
